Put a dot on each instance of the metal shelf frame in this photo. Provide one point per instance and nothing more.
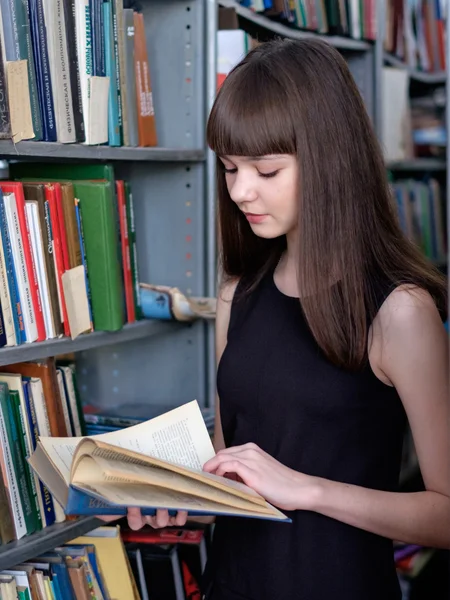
(340, 42)
(174, 206)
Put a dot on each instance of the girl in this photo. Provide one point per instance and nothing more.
(329, 338)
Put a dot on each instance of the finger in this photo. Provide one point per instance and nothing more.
(180, 518)
(162, 518)
(239, 468)
(214, 463)
(135, 519)
(107, 518)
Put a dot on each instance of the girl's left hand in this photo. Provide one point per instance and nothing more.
(279, 485)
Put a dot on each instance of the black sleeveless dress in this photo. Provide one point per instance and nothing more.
(277, 390)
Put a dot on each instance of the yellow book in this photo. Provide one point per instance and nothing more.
(113, 560)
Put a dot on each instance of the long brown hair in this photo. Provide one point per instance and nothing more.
(298, 97)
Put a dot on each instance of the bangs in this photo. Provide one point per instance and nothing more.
(248, 116)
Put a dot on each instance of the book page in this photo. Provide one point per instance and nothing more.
(93, 470)
(178, 436)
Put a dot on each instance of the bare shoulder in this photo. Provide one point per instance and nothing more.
(408, 325)
(408, 306)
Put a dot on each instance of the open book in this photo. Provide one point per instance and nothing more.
(156, 464)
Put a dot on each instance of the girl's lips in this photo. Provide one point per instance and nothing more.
(255, 219)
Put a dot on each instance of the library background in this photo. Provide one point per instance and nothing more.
(108, 246)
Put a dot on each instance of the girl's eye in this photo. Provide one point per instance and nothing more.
(268, 175)
(230, 171)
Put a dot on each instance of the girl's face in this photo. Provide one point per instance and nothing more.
(265, 189)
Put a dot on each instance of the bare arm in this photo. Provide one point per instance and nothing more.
(414, 358)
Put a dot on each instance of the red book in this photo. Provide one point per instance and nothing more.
(62, 226)
(126, 260)
(51, 197)
(16, 188)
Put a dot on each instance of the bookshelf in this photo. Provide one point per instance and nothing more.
(266, 25)
(17, 552)
(80, 152)
(173, 186)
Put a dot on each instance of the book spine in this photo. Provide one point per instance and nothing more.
(16, 304)
(126, 261)
(39, 35)
(5, 117)
(117, 67)
(59, 68)
(133, 250)
(30, 266)
(16, 502)
(25, 453)
(47, 501)
(15, 236)
(113, 104)
(74, 69)
(57, 253)
(5, 301)
(83, 258)
(29, 55)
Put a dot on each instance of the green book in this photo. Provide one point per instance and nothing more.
(18, 460)
(26, 452)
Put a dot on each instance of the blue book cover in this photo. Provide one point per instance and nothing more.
(113, 100)
(81, 503)
(155, 304)
(43, 77)
(16, 306)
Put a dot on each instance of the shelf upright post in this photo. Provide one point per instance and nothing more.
(211, 238)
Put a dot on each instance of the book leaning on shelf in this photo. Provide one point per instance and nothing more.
(156, 464)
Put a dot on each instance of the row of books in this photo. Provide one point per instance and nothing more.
(36, 399)
(415, 33)
(75, 71)
(68, 261)
(421, 214)
(354, 18)
(114, 563)
(414, 126)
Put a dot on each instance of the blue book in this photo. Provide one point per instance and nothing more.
(43, 76)
(113, 98)
(16, 306)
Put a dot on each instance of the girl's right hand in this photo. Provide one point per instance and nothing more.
(162, 519)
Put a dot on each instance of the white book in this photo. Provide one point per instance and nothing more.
(37, 249)
(59, 70)
(94, 90)
(65, 407)
(43, 425)
(23, 282)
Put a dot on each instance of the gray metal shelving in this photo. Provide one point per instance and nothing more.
(340, 42)
(135, 331)
(50, 150)
(173, 195)
(19, 551)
